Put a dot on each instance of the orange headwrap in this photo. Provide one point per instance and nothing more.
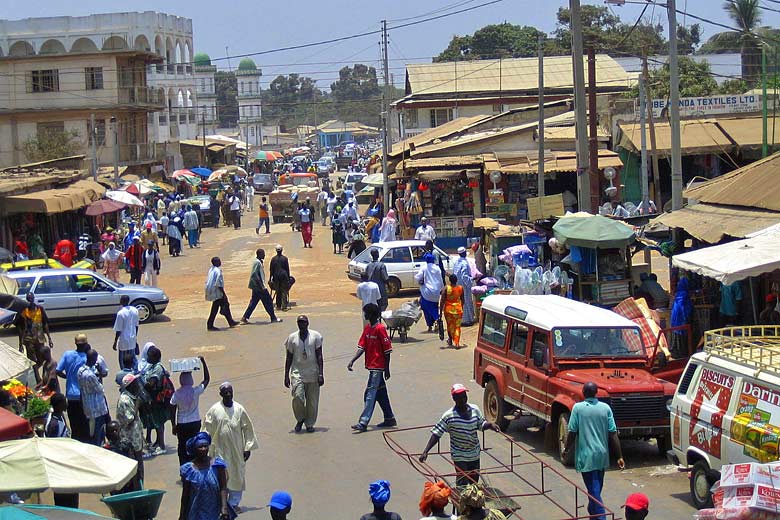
(434, 495)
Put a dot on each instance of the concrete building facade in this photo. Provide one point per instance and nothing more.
(206, 94)
(249, 102)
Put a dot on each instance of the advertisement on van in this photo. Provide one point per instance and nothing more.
(707, 410)
(753, 428)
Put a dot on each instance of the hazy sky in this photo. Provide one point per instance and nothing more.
(245, 26)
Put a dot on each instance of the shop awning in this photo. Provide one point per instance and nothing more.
(216, 147)
(462, 161)
(711, 222)
(733, 261)
(75, 196)
(437, 175)
(747, 132)
(697, 136)
(554, 162)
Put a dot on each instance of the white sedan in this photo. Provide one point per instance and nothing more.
(403, 259)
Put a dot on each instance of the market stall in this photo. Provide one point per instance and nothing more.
(598, 253)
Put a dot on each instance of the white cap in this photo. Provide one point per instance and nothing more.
(461, 249)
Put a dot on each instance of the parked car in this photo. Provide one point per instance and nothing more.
(403, 258)
(45, 263)
(354, 182)
(326, 166)
(726, 409)
(80, 294)
(534, 354)
(263, 182)
(204, 203)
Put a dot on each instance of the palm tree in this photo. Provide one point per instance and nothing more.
(746, 15)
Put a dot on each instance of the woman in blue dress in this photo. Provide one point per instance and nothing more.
(204, 483)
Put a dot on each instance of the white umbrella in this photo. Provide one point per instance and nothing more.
(62, 465)
(123, 196)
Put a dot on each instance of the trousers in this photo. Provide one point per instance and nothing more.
(264, 221)
(305, 402)
(192, 237)
(594, 483)
(236, 218)
(79, 424)
(184, 432)
(376, 392)
(135, 275)
(260, 295)
(221, 305)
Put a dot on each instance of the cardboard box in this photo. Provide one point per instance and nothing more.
(753, 496)
(185, 364)
(543, 207)
(750, 473)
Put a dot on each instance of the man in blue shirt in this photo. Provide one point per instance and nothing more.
(593, 428)
(68, 369)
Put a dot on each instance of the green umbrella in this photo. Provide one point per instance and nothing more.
(595, 232)
(38, 512)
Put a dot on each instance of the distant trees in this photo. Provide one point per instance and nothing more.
(226, 88)
(493, 41)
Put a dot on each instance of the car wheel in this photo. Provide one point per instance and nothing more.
(393, 287)
(700, 485)
(495, 407)
(563, 432)
(145, 310)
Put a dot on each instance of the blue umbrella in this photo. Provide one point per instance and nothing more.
(203, 172)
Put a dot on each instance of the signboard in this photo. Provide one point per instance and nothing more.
(712, 399)
(708, 105)
(549, 206)
(754, 423)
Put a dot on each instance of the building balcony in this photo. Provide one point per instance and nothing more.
(142, 96)
(139, 153)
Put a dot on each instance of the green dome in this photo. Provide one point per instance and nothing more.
(247, 64)
(202, 60)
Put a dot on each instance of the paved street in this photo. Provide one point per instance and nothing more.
(328, 471)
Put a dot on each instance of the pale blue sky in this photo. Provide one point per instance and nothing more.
(246, 26)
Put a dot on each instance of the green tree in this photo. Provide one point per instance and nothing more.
(688, 38)
(290, 100)
(52, 144)
(733, 86)
(357, 94)
(503, 40)
(746, 15)
(695, 80)
(226, 88)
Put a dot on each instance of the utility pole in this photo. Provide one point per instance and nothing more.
(764, 108)
(93, 147)
(674, 107)
(642, 123)
(115, 132)
(540, 127)
(581, 123)
(593, 141)
(385, 121)
(657, 198)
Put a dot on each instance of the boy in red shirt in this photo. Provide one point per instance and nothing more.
(375, 344)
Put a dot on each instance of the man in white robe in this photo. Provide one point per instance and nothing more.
(232, 439)
(462, 270)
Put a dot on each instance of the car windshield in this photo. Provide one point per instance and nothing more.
(597, 342)
(351, 179)
(301, 181)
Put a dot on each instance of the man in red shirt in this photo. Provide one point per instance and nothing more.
(375, 344)
(135, 259)
(65, 251)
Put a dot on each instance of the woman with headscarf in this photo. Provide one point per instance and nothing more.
(430, 279)
(451, 306)
(434, 499)
(142, 364)
(472, 505)
(111, 260)
(185, 415)
(379, 492)
(388, 227)
(156, 413)
(204, 483)
(338, 232)
(175, 234)
(358, 243)
(150, 220)
(682, 309)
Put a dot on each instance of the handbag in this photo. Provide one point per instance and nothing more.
(440, 327)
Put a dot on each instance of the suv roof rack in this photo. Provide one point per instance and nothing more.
(754, 346)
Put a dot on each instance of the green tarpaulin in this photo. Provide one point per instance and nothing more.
(594, 231)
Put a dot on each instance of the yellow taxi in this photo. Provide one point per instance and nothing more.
(44, 263)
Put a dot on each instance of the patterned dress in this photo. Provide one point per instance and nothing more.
(205, 500)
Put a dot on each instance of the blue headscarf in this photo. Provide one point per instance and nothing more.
(200, 439)
(429, 258)
(682, 306)
(379, 492)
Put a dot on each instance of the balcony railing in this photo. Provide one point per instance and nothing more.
(142, 96)
(179, 69)
(140, 152)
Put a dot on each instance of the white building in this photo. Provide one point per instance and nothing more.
(116, 54)
(249, 102)
(206, 94)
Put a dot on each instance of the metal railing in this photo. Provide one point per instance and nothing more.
(755, 346)
(141, 96)
(140, 152)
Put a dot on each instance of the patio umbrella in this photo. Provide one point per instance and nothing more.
(203, 172)
(63, 465)
(39, 512)
(123, 196)
(137, 188)
(236, 170)
(595, 232)
(182, 173)
(374, 179)
(217, 175)
(8, 285)
(263, 155)
(103, 206)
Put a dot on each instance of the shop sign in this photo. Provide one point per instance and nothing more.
(708, 105)
(543, 207)
(711, 400)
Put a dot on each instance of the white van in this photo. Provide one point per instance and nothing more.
(726, 409)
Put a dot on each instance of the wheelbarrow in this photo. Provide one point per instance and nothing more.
(401, 320)
(136, 505)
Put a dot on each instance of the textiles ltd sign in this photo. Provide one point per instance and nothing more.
(708, 105)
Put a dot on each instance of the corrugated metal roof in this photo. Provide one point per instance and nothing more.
(516, 74)
(461, 140)
(697, 136)
(756, 185)
(439, 162)
(711, 223)
(567, 133)
(747, 132)
(563, 162)
(439, 132)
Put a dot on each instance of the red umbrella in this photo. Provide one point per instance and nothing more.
(184, 173)
(103, 206)
(12, 426)
(132, 188)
